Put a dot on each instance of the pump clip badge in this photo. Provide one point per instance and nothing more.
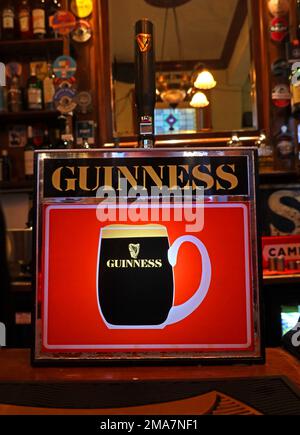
(64, 100)
(279, 29)
(82, 8)
(63, 22)
(281, 96)
(64, 67)
(82, 31)
(144, 41)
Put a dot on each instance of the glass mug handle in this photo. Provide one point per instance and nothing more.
(180, 312)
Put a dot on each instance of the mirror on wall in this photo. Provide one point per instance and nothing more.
(214, 35)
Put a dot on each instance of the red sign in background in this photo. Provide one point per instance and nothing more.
(71, 319)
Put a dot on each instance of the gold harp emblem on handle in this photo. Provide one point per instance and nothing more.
(144, 41)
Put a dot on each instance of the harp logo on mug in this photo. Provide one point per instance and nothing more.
(134, 250)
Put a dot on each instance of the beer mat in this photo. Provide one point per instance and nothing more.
(239, 396)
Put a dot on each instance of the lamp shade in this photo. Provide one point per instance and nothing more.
(173, 96)
(205, 80)
(172, 88)
(199, 100)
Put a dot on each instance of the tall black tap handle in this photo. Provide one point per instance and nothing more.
(145, 89)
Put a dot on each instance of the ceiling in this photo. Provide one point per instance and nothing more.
(208, 29)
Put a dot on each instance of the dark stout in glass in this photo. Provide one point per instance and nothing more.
(135, 281)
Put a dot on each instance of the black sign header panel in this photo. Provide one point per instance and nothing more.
(82, 177)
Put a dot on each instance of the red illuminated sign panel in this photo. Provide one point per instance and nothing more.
(151, 289)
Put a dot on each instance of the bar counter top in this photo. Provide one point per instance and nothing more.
(15, 366)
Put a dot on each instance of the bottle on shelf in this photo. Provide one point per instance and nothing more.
(49, 89)
(39, 19)
(14, 95)
(24, 20)
(29, 155)
(5, 166)
(85, 143)
(293, 50)
(265, 153)
(8, 20)
(68, 138)
(285, 150)
(59, 143)
(46, 144)
(34, 91)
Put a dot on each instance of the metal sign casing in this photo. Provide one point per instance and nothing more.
(150, 285)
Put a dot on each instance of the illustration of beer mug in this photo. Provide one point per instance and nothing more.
(135, 280)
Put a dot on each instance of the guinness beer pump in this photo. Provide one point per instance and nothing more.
(145, 82)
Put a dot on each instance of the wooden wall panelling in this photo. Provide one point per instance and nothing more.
(102, 75)
(260, 59)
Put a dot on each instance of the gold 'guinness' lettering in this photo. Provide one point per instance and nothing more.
(205, 178)
(83, 178)
(132, 264)
(158, 179)
(177, 173)
(87, 178)
(226, 176)
(184, 174)
(71, 181)
(56, 179)
(128, 175)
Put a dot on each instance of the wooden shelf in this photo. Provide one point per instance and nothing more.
(276, 173)
(28, 115)
(21, 286)
(281, 279)
(23, 186)
(278, 176)
(31, 47)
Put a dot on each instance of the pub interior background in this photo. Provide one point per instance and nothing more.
(250, 47)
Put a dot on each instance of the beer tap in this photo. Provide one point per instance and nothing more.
(145, 82)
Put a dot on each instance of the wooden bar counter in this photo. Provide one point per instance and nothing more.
(15, 367)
